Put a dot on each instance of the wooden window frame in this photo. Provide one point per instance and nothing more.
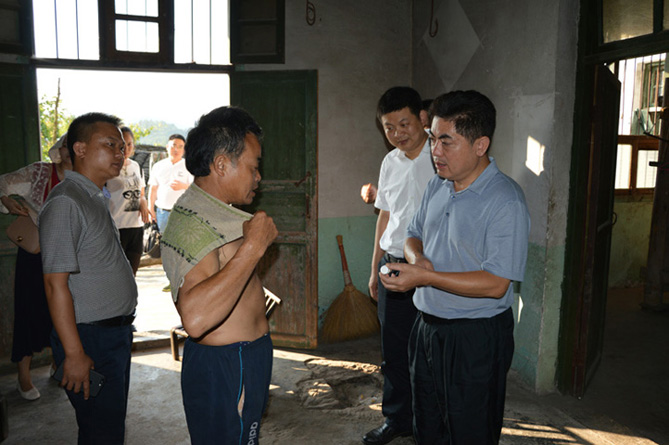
(638, 142)
(107, 17)
(22, 12)
(237, 22)
(596, 51)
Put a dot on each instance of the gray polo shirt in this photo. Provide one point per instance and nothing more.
(483, 227)
(78, 235)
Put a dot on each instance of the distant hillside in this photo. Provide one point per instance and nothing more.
(161, 132)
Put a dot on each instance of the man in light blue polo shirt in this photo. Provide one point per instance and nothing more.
(466, 246)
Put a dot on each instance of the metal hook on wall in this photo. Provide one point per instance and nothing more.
(311, 13)
(432, 19)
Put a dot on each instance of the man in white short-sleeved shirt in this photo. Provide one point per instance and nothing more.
(169, 179)
(405, 172)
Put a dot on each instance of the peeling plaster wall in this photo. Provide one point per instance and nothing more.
(522, 55)
(629, 241)
(360, 49)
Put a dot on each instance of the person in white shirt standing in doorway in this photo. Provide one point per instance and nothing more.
(169, 179)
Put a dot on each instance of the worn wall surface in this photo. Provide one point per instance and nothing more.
(7, 261)
(360, 49)
(629, 241)
(522, 55)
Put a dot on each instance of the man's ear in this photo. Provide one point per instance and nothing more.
(79, 149)
(220, 164)
(481, 145)
(424, 118)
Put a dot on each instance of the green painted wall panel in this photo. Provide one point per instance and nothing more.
(7, 262)
(629, 242)
(19, 126)
(536, 310)
(358, 235)
(537, 316)
(528, 311)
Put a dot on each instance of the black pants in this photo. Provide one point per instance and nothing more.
(132, 241)
(32, 321)
(396, 315)
(101, 419)
(458, 376)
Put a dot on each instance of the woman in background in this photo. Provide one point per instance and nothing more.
(32, 322)
(128, 204)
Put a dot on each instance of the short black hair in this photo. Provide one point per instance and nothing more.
(81, 128)
(126, 129)
(398, 98)
(472, 113)
(176, 136)
(221, 131)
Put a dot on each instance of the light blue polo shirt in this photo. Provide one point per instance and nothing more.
(484, 227)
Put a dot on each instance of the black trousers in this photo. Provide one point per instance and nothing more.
(397, 315)
(32, 321)
(132, 242)
(101, 419)
(458, 376)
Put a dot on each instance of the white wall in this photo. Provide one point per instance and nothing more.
(360, 49)
(522, 55)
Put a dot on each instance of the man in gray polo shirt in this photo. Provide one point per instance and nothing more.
(466, 246)
(89, 283)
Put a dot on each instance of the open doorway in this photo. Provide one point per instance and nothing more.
(157, 65)
(642, 81)
(156, 105)
(629, 385)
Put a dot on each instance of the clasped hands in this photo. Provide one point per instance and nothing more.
(410, 275)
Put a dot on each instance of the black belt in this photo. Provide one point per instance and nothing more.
(393, 259)
(121, 320)
(433, 319)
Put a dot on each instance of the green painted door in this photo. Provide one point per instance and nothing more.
(285, 105)
(18, 117)
(20, 132)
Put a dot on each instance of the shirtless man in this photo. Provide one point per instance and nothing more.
(210, 251)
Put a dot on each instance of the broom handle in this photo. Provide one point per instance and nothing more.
(344, 264)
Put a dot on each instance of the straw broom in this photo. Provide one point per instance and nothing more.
(352, 314)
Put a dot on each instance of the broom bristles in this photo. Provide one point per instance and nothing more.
(351, 315)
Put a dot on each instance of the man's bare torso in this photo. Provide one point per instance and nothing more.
(246, 321)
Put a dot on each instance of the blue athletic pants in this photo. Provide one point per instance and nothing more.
(213, 381)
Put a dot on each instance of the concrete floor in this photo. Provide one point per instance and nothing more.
(627, 402)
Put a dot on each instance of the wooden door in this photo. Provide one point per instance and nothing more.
(599, 223)
(19, 126)
(285, 105)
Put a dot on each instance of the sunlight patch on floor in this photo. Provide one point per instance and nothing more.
(545, 434)
(595, 436)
